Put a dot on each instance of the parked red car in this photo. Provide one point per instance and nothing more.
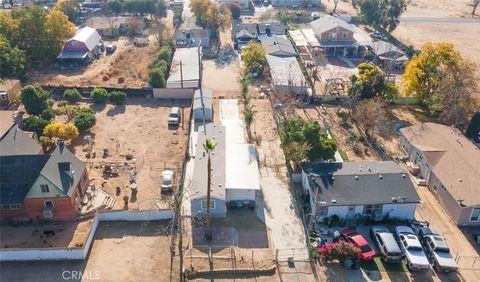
(352, 236)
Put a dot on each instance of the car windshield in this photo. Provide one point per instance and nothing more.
(365, 248)
(414, 248)
(173, 115)
(442, 250)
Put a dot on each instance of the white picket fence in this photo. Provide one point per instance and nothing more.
(32, 254)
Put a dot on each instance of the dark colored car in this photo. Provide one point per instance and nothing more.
(352, 236)
(111, 49)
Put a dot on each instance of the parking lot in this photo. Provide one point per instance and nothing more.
(378, 269)
(139, 143)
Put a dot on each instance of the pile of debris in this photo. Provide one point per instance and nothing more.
(96, 199)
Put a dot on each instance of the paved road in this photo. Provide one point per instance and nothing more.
(438, 20)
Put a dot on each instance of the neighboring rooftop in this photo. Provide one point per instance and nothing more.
(359, 183)
(207, 98)
(453, 158)
(189, 58)
(327, 22)
(8, 119)
(286, 71)
(17, 142)
(241, 167)
(388, 51)
(17, 176)
(258, 29)
(216, 133)
(278, 45)
(87, 35)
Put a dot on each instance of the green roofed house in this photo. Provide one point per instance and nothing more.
(41, 187)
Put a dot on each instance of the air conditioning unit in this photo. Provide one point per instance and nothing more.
(48, 213)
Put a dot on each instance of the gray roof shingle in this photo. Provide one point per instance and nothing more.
(359, 183)
(16, 142)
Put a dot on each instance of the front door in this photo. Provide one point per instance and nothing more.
(351, 212)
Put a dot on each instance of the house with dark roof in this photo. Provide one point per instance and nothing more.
(450, 164)
(84, 46)
(243, 33)
(16, 142)
(388, 55)
(42, 187)
(279, 46)
(377, 190)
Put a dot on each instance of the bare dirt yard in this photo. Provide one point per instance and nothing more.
(127, 67)
(67, 234)
(140, 145)
(223, 79)
(122, 251)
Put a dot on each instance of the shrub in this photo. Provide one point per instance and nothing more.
(63, 103)
(121, 79)
(34, 99)
(35, 124)
(99, 95)
(48, 114)
(117, 97)
(72, 95)
(165, 54)
(85, 120)
(156, 78)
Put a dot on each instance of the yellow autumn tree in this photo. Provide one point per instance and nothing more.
(58, 28)
(424, 70)
(57, 130)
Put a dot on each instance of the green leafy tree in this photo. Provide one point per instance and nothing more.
(35, 124)
(200, 9)
(209, 146)
(254, 57)
(84, 120)
(70, 8)
(296, 152)
(72, 95)
(165, 54)
(34, 99)
(48, 114)
(370, 83)
(156, 78)
(12, 60)
(117, 97)
(381, 13)
(99, 95)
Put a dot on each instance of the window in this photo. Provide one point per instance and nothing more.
(204, 204)
(74, 43)
(322, 211)
(11, 207)
(48, 204)
(3, 96)
(44, 188)
(333, 35)
(377, 209)
(345, 35)
(368, 209)
(475, 214)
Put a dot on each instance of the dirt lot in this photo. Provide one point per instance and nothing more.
(122, 251)
(223, 79)
(138, 128)
(67, 234)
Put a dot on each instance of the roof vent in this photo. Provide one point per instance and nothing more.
(354, 172)
(333, 177)
(356, 177)
(380, 176)
(404, 176)
(334, 201)
(460, 180)
(369, 169)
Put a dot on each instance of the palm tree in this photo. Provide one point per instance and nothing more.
(248, 115)
(209, 146)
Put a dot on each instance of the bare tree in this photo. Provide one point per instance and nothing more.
(370, 114)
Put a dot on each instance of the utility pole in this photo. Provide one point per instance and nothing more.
(181, 75)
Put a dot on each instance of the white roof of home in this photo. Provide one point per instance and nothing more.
(229, 109)
(361, 37)
(241, 167)
(87, 35)
(327, 22)
(285, 71)
(230, 119)
(189, 58)
(207, 98)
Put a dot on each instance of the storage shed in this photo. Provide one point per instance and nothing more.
(207, 107)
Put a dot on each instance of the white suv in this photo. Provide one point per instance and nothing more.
(174, 116)
(411, 248)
